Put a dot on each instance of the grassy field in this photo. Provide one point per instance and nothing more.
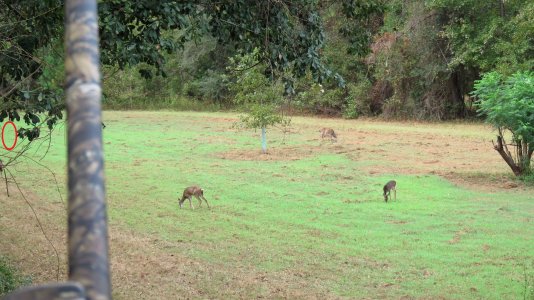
(306, 220)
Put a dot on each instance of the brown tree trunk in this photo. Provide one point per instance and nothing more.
(506, 156)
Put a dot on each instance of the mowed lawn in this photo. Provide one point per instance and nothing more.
(307, 220)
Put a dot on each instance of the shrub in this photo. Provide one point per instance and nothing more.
(508, 105)
(358, 99)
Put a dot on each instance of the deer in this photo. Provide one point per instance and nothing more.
(329, 133)
(390, 186)
(191, 191)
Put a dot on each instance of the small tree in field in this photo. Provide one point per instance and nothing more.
(508, 105)
(259, 96)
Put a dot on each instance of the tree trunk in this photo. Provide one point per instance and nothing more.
(263, 141)
(506, 156)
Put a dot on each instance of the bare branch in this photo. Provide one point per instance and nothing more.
(38, 222)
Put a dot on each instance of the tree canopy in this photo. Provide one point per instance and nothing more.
(289, 34)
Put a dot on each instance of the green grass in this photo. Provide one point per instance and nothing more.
(320, 215)
(10, 279)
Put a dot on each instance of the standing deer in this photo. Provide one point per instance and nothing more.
(329, 133)
(193, 191)
(391, 185)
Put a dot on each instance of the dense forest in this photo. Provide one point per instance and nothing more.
(389, 58)
(399, 59)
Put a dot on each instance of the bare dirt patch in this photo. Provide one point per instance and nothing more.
(462, 154)
(464, 158)
(486, 182)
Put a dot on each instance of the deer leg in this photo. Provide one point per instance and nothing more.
(199, 201)
(395, 194)
(206, 202)
(190, 205)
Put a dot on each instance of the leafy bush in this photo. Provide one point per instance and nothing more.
(308, 95)
(213, 86)
(358, 101)
(508, 105)
(319, 99)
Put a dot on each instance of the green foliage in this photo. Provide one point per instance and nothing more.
(262, 116)
(428, 53)
(359, 27)
(199, 71)
(528, 178)
(431, 65)
(132, 31)
(296, 51)
(29, 31)
(358, 100)
(9, 278)
(214, 86)
(306, 94)
(196, 74)
(331, 101)
(489, 35)
(507, 103)
(137, 33)
(256, 94)
(411, 59)
(316, 98)
(431, 52)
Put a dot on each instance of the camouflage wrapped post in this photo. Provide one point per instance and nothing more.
(88, 245)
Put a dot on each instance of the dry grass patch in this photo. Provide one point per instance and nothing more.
(273, 154)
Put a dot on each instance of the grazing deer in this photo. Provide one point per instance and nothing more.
(329, 133)
(391, 185)
(193, 191)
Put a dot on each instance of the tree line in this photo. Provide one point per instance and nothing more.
(397, 59)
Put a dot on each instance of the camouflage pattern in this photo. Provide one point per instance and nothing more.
(87, 219)
(61, 291)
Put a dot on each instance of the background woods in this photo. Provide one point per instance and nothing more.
(398, 59)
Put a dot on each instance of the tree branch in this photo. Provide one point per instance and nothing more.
(506, 156)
